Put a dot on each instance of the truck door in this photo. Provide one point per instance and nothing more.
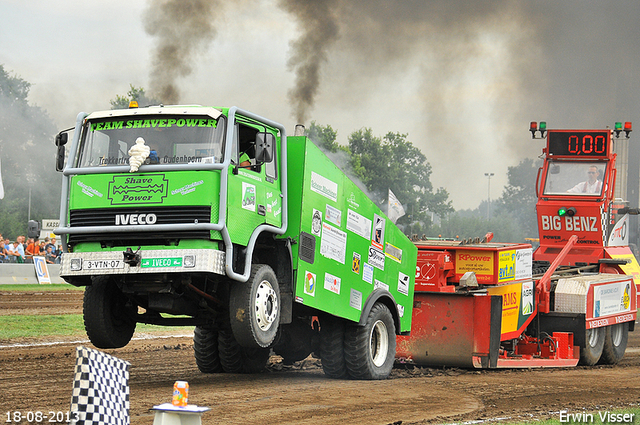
(254, 195)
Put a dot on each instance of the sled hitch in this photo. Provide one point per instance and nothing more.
(132, 258)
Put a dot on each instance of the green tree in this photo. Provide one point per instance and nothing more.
(518, 200)
(392, 162)
(27, 158)
(324, 137)
(135, 93)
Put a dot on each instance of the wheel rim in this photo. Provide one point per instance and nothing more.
(593, 337)
(266, 305)
(616, 334)
(379, 342)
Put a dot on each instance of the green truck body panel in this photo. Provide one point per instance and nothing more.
(345, 251)
(357, 249)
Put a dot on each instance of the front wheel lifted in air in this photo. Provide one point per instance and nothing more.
(254, 308)
(109, 316)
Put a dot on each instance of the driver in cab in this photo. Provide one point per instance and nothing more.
(591, 185)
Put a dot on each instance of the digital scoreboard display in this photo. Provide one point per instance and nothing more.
(579, 143)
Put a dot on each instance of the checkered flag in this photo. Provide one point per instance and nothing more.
(100, 389)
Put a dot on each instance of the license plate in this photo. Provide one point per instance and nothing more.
(102, 264)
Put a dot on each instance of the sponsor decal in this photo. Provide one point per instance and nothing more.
(187, 188)
(571, 224)
(148, 189)
(358, 224)
(524, 263)
(506, 265)
(355, 299)
(380, 285)
(89, 191)
(316, 223)
(324, 186)
(619, 234)
(481, 263)
(248, 197)
(378, 231)
(333, 243)
(310, 283)
(393, 252)
(403, 283)
(376, 257)
(352, 201)
(527, 298)
(611, 298)
(333, 215)
(332, 283)
(355, 263)
(367, 272)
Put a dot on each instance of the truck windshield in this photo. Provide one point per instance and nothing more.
(172, 139)
(575, 178)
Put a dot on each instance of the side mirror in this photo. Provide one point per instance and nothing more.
(61, 140)
(60, 158)
(264, 147)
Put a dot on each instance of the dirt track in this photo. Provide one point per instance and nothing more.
(40, 378)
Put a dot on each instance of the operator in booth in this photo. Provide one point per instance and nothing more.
(591, 185)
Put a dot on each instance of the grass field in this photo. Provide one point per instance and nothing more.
(63, 325)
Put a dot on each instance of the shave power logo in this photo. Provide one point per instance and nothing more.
(147, 189)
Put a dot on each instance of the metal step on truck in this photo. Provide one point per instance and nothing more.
(215, 218)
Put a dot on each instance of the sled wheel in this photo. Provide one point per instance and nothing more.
(593, 345)
(237, 359)
(205, 349)
(332, 348)
(254, 308)
(108, 320)
(370, 350)
(615, 343)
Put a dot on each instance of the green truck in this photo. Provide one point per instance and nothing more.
(163, 225)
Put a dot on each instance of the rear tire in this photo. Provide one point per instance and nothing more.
(615, 343)
(254, 308)
(237, 359)
(205, 349)
(108, 320)
(593, 346)
(332, 348)
(370, 350)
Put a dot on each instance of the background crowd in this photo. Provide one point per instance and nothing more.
(20, 251)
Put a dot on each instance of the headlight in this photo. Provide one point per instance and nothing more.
(189, 261)
(76, 264)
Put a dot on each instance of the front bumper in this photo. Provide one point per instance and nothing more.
(152, 261)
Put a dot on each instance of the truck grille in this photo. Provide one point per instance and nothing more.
(160, 215)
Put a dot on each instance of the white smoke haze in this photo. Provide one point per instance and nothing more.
(462, 78)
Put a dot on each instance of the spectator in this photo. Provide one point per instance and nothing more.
(59, 254)
(49, 256)
(4, 249)
(17, 252)
(21, 241)
(32, 249)
(51, 243)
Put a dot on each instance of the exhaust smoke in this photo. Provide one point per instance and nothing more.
(181, 29)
